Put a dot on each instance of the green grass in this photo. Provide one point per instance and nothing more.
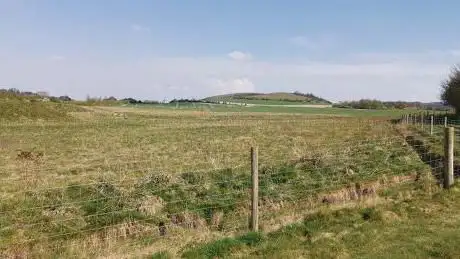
(271, 102)
(12, 109)
(102, 175)
(225, 246)
(221, 108)
(415, 224)
(269, 98)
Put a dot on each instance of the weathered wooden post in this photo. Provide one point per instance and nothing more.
(421, 120)
(255, 189)
(431, 124)
(445, 121)
(448, 157)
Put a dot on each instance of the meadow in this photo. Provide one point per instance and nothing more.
(267, 108)
(131, 181)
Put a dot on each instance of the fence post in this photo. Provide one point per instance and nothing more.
(255, 189)
(445, 121)
(421, 120)
(448, 157)
(431, 125)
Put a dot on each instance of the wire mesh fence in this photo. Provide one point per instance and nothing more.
(133, 184)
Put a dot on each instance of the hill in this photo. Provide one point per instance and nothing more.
(269, 98)
(15, 106)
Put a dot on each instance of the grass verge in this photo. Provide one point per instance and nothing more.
(412, 224)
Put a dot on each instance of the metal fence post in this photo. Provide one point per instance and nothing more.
(448, 157)
(255, 189)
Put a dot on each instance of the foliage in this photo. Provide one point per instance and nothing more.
(362, 104)
(369, 104)
(450, 89)
(134, 101)
(311, 96)
(185, 101)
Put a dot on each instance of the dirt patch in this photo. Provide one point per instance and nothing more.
(363, 190)
(29, 155)
(188, 220)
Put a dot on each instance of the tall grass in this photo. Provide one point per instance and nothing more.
(105, 180)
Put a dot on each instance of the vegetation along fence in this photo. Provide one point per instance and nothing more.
(141, 184)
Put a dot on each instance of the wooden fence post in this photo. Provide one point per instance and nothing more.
(445, 121)
(255, 189)
(448, 157)
(431, 125)
(421, 120)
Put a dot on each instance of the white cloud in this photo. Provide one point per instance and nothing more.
(410, 78)
(139, 28)
(240, 56)
(236, 85)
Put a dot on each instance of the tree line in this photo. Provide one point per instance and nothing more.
(373, 104)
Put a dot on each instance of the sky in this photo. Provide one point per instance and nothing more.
(164, 49)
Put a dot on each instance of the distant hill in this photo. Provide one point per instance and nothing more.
(16, 105)
(269, 98)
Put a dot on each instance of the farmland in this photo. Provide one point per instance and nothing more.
(277, 109)
(279, 98)
(105, 178)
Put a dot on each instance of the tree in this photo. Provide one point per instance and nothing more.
(111, 98)
(65, 98)
(450, 89)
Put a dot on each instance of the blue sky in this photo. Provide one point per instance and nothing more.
(340, 50)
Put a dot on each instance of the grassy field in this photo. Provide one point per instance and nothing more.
(268, 98)
(13, 108)
(204, 107)
(269, 102)
(109, 180)
(408, 222)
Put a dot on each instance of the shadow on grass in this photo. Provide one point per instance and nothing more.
(434, 160)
